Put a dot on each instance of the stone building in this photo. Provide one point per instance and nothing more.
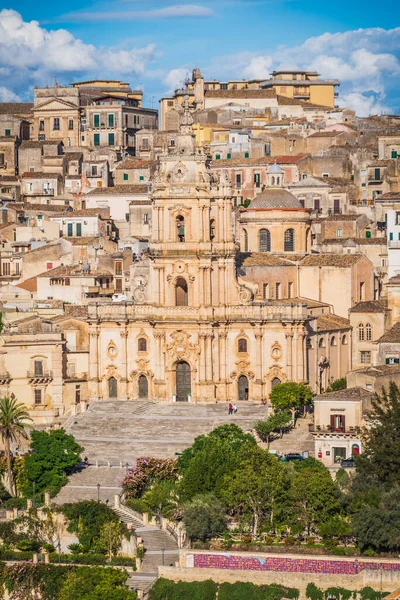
(369, 321)
(194, 332)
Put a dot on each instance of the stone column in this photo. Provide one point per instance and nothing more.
(206, 233)
(201, 223)
(124, 363)
(300, 356)
(289, 355)
(94, 364)
(221, 276)
(223, 367)
(259, 352)
(202, 344)
(209, 357)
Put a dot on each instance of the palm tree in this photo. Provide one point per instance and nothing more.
(13, 421)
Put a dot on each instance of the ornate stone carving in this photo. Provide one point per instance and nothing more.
(140, 294)
(276, 372)
(181, 348)
(111, 371)
(112, 350)
(276, 351)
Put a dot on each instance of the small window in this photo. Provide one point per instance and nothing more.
(38, 367)
(289, 240)
(217, 157)
(7, 132)
(242, 345)
(245, 241)
(365, 357)
(142, 345)
(290, 289)
(126, 176)
(70, 124)
(96, 139)
(247, 155)
(141, 178)
(344, 340)
(264, 240)
(321, 343)
(229, 155)
(361, 332)
(96, 120)
(49, 265)
(41, 125)
(333, 341)
(111, 120)
(38, 396)
(56, 124)
(266, 291)
(257, 180)
(339, 232)
(146, 219)
(325, 174)
(111, 139)
(278, 291)
(368, 332)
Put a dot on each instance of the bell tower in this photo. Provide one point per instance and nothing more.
(192, 252)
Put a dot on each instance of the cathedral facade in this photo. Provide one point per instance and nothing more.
(194, 331)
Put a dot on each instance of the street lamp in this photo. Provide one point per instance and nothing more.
(98, 493)
(59, 551)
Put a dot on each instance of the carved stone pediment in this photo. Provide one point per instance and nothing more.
(180, 346)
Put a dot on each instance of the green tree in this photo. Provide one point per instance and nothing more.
(90, 583)
(86, 519)
(14, 419)
(315, 497)
(255, 489)
(338, 384)
(336, 530)
(291, 397)
(212, 458)
(204, 517)
(268, 428)
(380, 461)
(229, 432)
(378, 527)
(110, 537)
(53, 457)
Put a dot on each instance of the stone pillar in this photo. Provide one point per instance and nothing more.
(202, 344)
(259, 353)
(124, 363)
(209, 357)
(94, 365)
(289, 355)
(223, 367)
(222, 289)
(201, 223)
(300, 357)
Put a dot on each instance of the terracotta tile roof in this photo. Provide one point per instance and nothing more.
(356, 393)
(72, 310)
(8, 138)
(322, 134)
(335, 181)
(330, 260)
(331, 323)
(284, 100)
(9, 178)
(135, 163)
(41, 208)
(380, 370)
(262, 160)
(73, 271)
(389, 196)
(87, 212)
(264, 259)
(379, 163)
(244, 93)
(341, 217)
(16, 108)
(371, 306)
(73, 156)
(30, 144)
(119, 190)
(391, 335)
(375, 241)
(82, 241)
(29, 284)
(41, 175)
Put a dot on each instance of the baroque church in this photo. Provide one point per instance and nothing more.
(195, 331)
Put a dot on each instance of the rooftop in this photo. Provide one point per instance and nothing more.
(391, 335)
(243, 93)
(369, 306)
(275, 198)
(16, 108)
(135, 163)
(119, 190)
(74, 271)
(331, 260)
(331, 322)
(356, 393)
(380, 370)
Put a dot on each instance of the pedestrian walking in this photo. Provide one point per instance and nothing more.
(234, 408)
(230, 408)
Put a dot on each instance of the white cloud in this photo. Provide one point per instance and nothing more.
(7, 95)
(175, 79)
(31, 54)
(365, 61)
(168, 12)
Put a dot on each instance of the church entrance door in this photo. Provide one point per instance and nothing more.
(112, 388)
(143, 387)
(183, 381)
(243, 388)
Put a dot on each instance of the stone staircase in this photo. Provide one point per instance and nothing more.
(82, 485)
(297, 440)
(123, 430)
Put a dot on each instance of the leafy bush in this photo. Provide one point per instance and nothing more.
(78, 559)
(53, 458)
(146, 471)
(31, 545)
(204, 517)
(86, 519)
(19, 503)
(6, 554)
(124, 561)
(164, 589)
(338, 384)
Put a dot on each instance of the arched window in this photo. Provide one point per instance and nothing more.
(321, 343)
(344, 340)
(180, 228)
(242, 345)
(275, 382)
(264, 240)
(333, 341)
(212, 229)
(289, 240)
(181, 293)
(272, 180)
(142, 345)
(361, 332)
(245, 241)
(368, 332)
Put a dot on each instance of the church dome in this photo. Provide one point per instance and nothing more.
(275, 198)
(275, 170)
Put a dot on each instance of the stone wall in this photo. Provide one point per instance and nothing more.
(290, 570)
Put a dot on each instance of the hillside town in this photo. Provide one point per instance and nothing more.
(163, 273)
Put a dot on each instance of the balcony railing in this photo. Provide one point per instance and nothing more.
(36, 376)
(5, 378)
(95, 289)
(327, 429)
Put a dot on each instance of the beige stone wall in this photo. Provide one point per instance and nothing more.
(379, 324)
(390, 581)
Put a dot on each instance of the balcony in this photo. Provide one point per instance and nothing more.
(39, 377)
(301, 95)
(5, 378)
(48, 191)
(393, 245)
(336, 94)
(99, 291)
(328, 430)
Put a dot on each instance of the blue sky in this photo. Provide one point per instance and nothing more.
(155, 43)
